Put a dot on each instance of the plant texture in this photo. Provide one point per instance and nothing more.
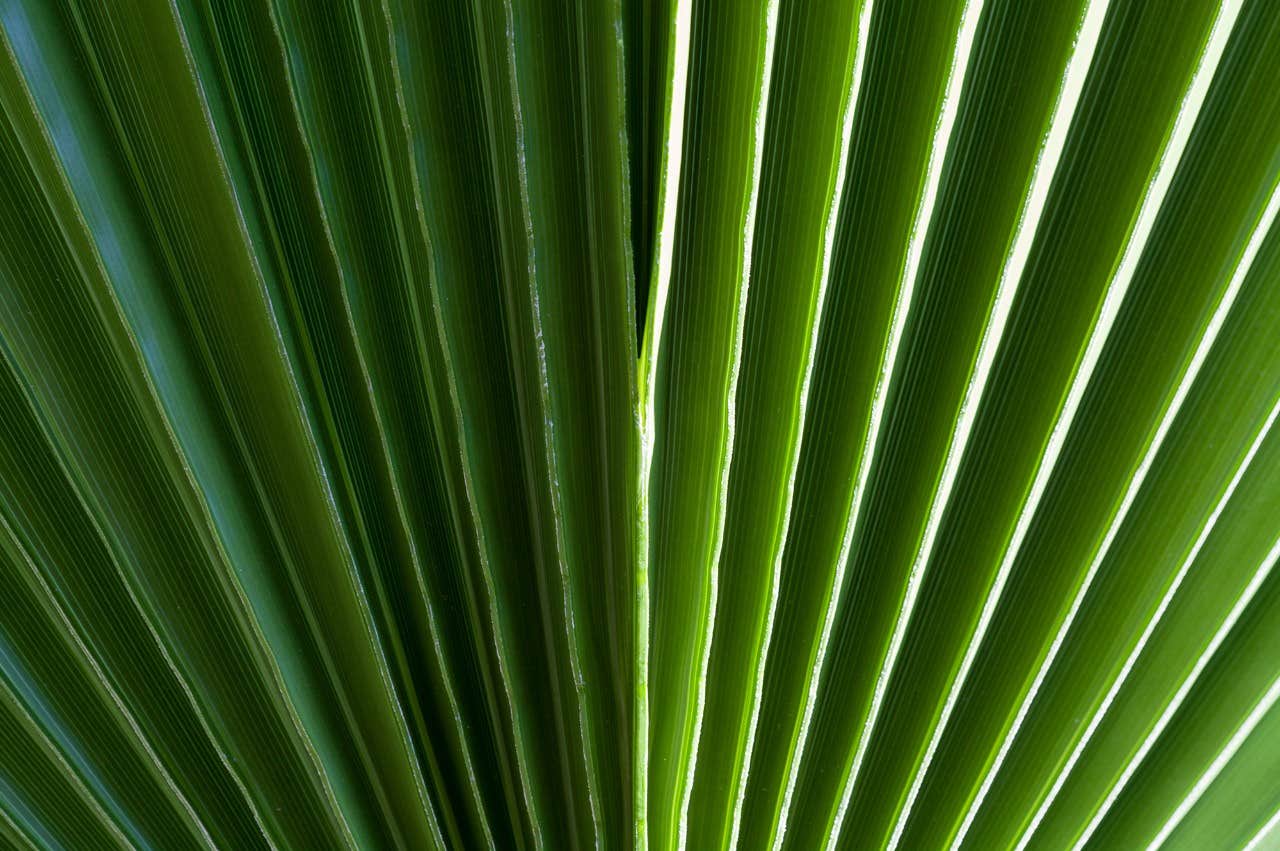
(639, 424)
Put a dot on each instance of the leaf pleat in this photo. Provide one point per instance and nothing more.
(104, 522)
(697, 354)
(810, 98)
(890, 139)
(257, 432)
(521, 166)
(1047, 545)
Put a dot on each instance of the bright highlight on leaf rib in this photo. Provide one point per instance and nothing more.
(684, 424)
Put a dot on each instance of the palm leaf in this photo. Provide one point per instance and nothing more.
(682, 424)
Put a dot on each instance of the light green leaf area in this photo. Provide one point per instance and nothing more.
(673, 424)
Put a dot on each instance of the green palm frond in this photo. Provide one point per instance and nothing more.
(698, 424)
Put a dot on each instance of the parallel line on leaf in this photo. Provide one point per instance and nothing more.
(92, 510)
(89, 660)
(330, 500)
(1264, 833)
(601, 342)
(1201, 354)
(367, 384)
(685, 793)
(669, 190)
(135, 158)
(487, 85)
(1118, 287)
(12, 830)
(814, 676)
(66, 772)
(549, 459)
(824, 276)
(1220, 761)
(1184, 689)
(940, 147)
(16, 549)
(401, 243)
(330, 415)
(402, 515)
(83, 651)
(1028, 228)
(63, 455)
(486, 572)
